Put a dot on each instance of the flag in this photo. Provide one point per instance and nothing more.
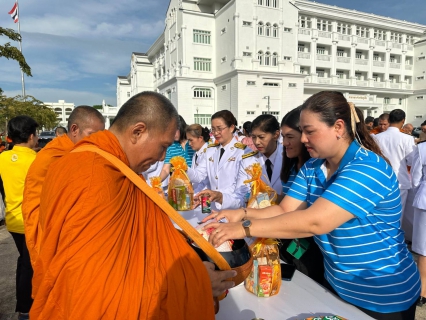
(14, 13)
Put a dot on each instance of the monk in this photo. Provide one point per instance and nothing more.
(383, 124)
(108, 251)
(83, 121)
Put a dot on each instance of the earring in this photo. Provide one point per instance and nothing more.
(339, 137)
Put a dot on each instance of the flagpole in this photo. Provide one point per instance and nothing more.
(20, 48)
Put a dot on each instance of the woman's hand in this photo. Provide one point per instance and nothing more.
(225, 231)
(231, 215)
(215, 196)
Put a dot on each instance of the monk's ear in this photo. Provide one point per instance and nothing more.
(74, 130)
(138, 131)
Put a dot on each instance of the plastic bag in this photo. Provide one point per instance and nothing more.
(261, 195)
(180, 191)
(157, 185)
(265, 278)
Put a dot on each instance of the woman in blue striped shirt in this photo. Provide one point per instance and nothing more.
(347, 197)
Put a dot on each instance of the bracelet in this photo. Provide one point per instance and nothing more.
(245, 213)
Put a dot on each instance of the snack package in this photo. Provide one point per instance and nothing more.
(180, 191)
(156, 185)
(265, 278)
(224, 247)
(261, 195)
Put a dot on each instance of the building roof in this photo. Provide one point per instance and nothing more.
(122, 77)
(140, 53)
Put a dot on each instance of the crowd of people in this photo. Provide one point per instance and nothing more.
(92, 245)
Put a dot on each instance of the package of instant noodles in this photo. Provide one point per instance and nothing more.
(261, 195)
(180, 192)
(265, 278)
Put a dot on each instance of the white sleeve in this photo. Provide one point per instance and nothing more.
(409, 152)
(199, 174)
(416, 168)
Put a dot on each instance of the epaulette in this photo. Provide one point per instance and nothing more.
(211, 145)
(240, 145)
(250, 154)
(204, 150)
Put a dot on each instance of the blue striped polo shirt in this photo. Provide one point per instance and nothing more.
(366, 259)
(176, 150)
(291, 177)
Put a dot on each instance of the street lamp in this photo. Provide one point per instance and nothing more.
(268, 106)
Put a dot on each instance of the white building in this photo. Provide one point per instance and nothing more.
(260, 56)
(62, 109)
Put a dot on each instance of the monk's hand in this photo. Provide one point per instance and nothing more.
(229, 215)
(215, 196)
(225, 231)
(219, 279)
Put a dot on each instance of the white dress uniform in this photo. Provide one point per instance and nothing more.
(276, 158)
(220, 175)
(197, 158)
(418, 173)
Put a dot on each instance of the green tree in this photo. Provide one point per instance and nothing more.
(10, 52)
(16, 106)
(97, 106)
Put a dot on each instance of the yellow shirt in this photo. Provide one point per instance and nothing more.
(14, 165)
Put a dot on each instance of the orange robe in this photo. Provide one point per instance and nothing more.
(108, 251)
(375, 130)
(54, 150)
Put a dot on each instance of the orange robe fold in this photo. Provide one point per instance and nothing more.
(108, 251)
(54, 150)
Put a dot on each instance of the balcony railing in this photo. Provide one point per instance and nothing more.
(323, 57)
(408, 67)
(362, 40)
(363, 62)
(344, 59)
(344, 38)
(304, 55)
(396, 45)
(378, 63)
(344, 82)
(362, 83)
(395, 85)
(378, 84)
(395, 65)
(304, 31)
(324, 34)
(409, 47)
(380, 43)
(324, 80)
(408, 86)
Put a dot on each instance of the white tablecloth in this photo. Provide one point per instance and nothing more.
(298, 299)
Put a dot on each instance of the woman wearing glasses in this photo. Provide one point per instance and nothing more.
(219, 169)
(347, 197)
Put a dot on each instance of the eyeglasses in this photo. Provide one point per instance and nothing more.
(218, 130)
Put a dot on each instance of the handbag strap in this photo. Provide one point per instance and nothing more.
(162, 203)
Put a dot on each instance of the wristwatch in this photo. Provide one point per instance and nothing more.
(246, 225)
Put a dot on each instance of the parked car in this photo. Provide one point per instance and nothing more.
(47, 135)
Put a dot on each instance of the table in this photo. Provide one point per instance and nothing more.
(298, 299)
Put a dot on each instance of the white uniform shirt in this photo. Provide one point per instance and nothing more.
(222, 176)
(418, 173)
(237, 199)
(398, 148)
(154, 171)
(197, 158)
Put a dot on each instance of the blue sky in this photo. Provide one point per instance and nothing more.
(76, 48)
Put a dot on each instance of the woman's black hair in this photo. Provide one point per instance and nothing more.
(247, 127)
(197, 131)
(20, 128)
(266, 123)
(182, 129)
(291, 120)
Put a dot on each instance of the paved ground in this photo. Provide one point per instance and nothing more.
(8, 256)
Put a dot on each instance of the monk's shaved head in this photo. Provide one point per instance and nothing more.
(60, 131)
(82, 116)
(149, 107)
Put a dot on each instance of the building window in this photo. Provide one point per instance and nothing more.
(260, 2)
(418, 116)
(292, 85)
(223, 87)
(271, 84)
(260, 27)
(421, 58)
(420, 78)
(379, 34)
(340, 74)
(340, 53)
(343, 28)
(275, 31)
(202, 64)
(375, 57)
(251, 83)
(304, 22)
(202, 93)
(320, 73)
(268, 29)
(250, 113)
(275, 59)
(276, 114)
(287, 58)
(201, 36)
(223, 31)
(361, 32)
(169, 94)
(409, 39)
(275, 3)
(267, 58)
(320, 50)
(300, 47)
(260, 57)
(358, 75)
(323, 25)
(246, 54)
(400, 101)
(376, 77)
(302, 70)
(386, 100)
(128, 94)
(203, 119)
(268, 3)
(358, 55)
(246, 23)
(287, 29)
(419, 97)
(393, 59)
(396, 37)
